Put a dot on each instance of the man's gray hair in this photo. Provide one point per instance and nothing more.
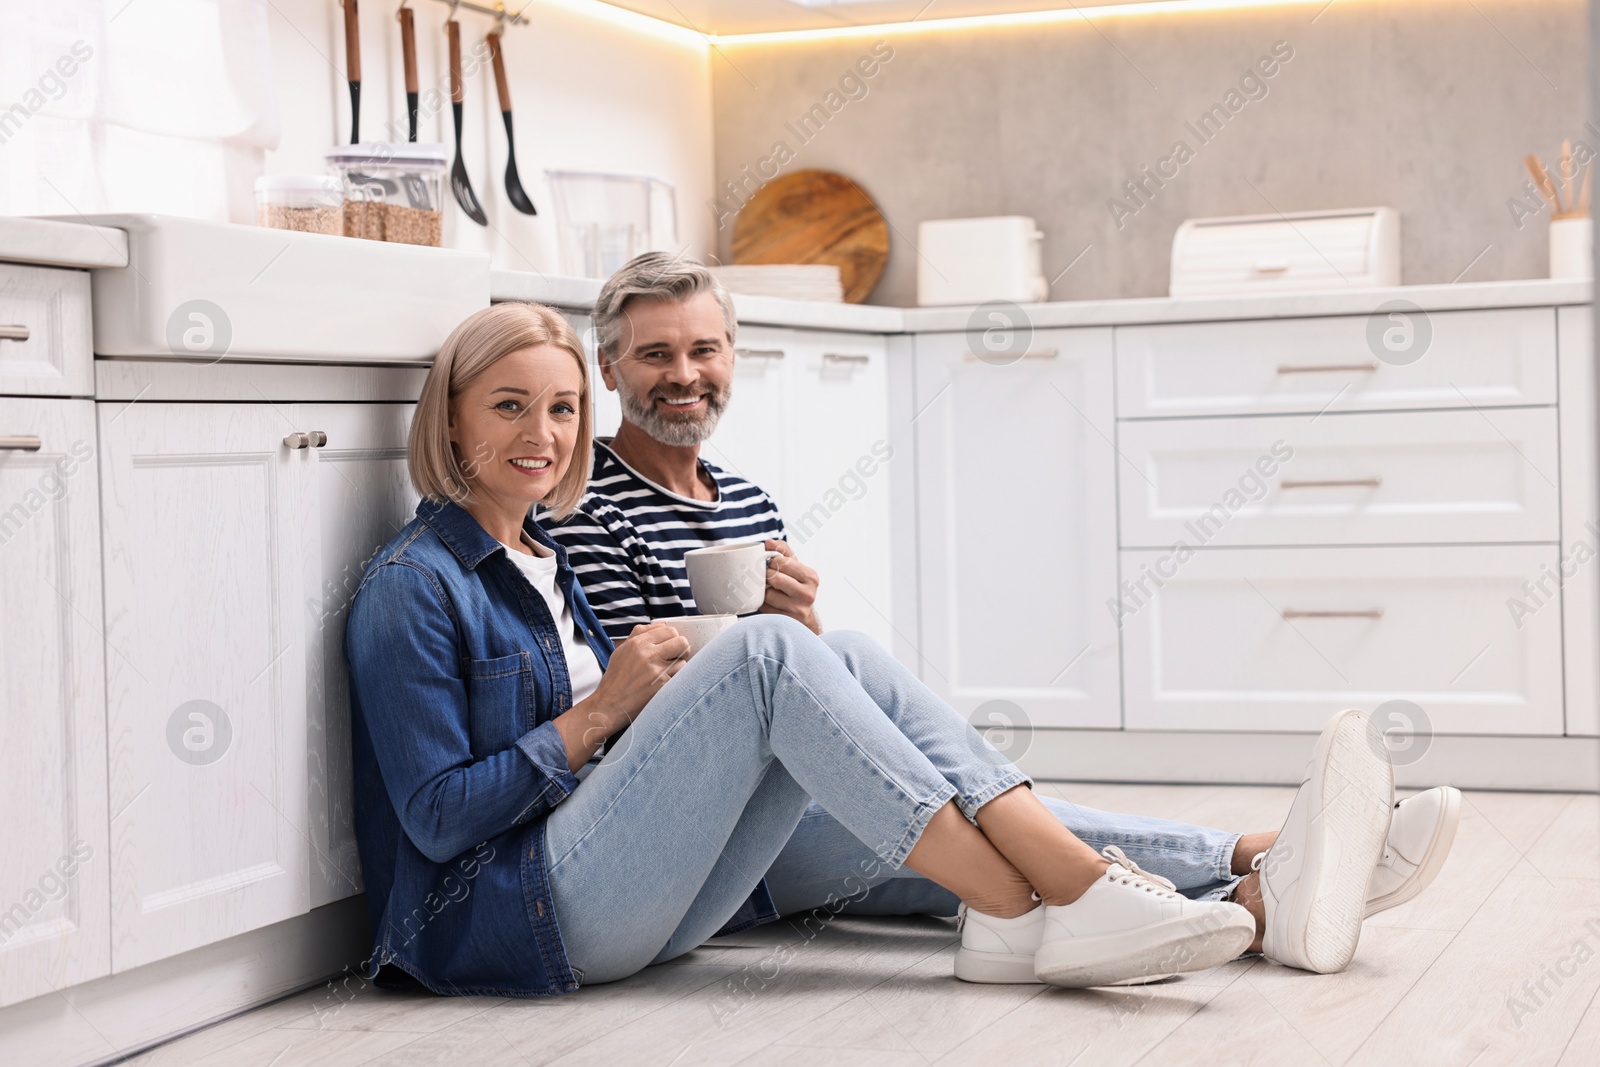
(653, 276)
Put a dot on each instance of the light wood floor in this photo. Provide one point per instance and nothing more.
(1440, 980)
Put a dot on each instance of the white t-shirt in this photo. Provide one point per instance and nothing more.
(540, 570)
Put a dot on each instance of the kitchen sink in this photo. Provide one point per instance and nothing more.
(206, 291)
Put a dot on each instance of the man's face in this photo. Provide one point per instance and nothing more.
(672, 368)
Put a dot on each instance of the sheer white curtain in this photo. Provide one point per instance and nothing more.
(134, 105)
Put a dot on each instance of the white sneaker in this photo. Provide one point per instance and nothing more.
(998, 950)
(1420, 835)
(1314, 877)
(1133, 925)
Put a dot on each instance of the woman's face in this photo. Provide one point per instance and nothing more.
(515, 427)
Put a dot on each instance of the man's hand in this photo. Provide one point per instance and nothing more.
(791, 587)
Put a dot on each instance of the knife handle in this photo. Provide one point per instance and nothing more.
(352, 42)
(458, 90)
(500, 83)
(408, 47)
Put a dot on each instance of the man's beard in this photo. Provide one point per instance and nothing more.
(680, 431)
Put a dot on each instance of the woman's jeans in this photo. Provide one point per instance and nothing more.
(711, 789)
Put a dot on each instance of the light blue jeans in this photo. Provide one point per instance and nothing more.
(712, 788)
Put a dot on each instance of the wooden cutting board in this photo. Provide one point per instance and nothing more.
(815, 216)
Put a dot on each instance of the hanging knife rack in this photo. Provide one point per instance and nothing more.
(499, 11)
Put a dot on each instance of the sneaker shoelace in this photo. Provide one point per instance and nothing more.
(1134, 875)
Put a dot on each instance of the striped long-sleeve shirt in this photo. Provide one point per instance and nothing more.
(628, 535)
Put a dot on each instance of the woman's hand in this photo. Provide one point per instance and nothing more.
(641, 665)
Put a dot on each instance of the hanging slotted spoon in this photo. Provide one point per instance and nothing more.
(459, 184)
(514, 191)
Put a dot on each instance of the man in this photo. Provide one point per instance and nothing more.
(651, 496)
(664, 329)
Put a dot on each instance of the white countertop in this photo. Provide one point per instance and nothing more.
(61, 244)
(580, 293)
(81, 244)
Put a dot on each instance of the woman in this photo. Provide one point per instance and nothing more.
(482, 685)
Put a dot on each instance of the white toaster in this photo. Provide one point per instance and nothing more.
(971, 261)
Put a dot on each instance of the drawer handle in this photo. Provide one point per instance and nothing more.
(297, 440)
(841, 357)
(1324, 368)
(316, 438)
(13, 333)
(1332, 483)
(22, 442)
(1032, 353)
(1369, 613)
(760, 353)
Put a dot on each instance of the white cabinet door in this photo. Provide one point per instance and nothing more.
(1017, 523)
(752, 438)
(362, 496)
(836, 506)
(205, 537)
(1280, 639)
(54, 881)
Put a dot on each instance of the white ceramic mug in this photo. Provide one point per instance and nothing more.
(729, 579)
(700, 629)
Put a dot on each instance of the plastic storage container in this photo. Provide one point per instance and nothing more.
(604, 220)
(309, 203)
(392, 191)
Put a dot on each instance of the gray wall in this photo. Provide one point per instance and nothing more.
(1424, 105)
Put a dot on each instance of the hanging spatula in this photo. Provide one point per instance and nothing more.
(459, 184)
(352, 62)
(514, 191)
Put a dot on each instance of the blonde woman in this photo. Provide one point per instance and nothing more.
(499, 860)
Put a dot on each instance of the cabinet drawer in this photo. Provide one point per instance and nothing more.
(1281, 638)
(1389, 478)
(1387, 360)
(45, 346)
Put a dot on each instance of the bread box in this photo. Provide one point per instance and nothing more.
(1354, 248)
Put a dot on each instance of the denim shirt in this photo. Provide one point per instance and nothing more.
(456, 672)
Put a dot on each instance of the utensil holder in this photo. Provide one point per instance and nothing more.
(1571, 246)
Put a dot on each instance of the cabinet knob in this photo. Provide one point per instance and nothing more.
(317, 438)
(13, 333)
(297, 440)
(21, 442)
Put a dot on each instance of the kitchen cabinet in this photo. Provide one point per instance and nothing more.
(1278, 639)
(752, 437)
(1396, 359)
(54, 883)
(1016, 528)
(1414, 477)
(235, 536)
(45, 328)
(361, 496)
(838, 465)
(1580, 520)
(205, 542)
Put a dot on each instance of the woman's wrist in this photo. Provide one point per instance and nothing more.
(584, 728)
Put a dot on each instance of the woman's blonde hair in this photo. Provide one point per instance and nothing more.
(482, 340)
